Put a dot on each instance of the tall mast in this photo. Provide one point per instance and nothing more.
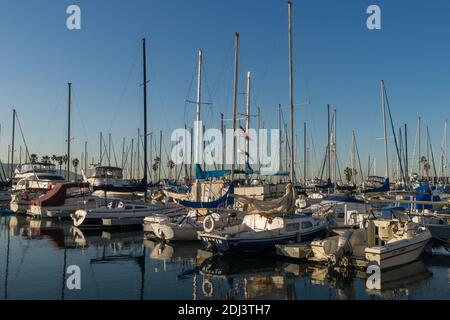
(198, 114)
(280, 137)
(198, 127)
(328, 146)
(291, 91)
(123, 152)
(247, 120)
(138, 162)
(132, 159)
(406, 153)
(305, 168)
(68, 131)
(334, 149)
(144, 58)
(109, 149)
(259, 128)
(160, 156)
(235, 88)
(101, 149)
(445, 150)
(85, 156)
(222, 129)
(11, 168)
(420, 144)
(383, 108)
(353, 158)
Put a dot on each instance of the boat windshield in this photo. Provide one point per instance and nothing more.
(51, 177)
(37, 167)
(389, 213)
(105, 172)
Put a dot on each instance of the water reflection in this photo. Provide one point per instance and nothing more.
(120, 264)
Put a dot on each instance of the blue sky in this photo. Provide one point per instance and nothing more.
(337, 60)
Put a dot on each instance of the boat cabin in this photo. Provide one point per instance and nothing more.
(35, 167)
(104, 172)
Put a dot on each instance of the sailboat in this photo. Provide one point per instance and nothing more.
(266, 224)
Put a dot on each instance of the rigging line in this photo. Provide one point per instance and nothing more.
(158, 92)
(75, 105)
(191, 83)
(27, 153)
(432, 154)
(414, 150)
(359, 161)
(394, 133)
(52, 117)
(114, 153)
(106, 150)
(222, 69)
(122, 95)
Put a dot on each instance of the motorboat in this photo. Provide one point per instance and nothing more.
(39, 176)
(337, 207)
(385, 242)
(438, 224)
(62, 200)
(110, 180)
(119, 213)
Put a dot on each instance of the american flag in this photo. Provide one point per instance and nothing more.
(244, 134)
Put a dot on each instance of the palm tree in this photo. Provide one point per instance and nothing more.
(75, 163)
(424, 163)
(348, 172)
(66, 162)
(170, 165)
(33, 158)
(45, 159)
(60, 160)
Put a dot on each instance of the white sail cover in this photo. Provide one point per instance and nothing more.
(275, 207)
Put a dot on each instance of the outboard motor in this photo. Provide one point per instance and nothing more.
(342, 248)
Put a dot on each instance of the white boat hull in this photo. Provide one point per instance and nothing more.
(399, 253)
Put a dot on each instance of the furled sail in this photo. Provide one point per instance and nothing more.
(221, 202)
(279, 206)
(202, 175)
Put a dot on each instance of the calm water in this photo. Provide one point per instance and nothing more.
(121, 265)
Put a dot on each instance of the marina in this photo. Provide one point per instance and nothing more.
(121, 265)
(245, 193)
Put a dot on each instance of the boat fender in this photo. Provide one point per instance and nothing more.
(79, 217)
(207, 288)
(161, 234)
(208, 224)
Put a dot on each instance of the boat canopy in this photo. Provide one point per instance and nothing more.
(267, 208)
(57, 195)
(222, 201)
(384, 188)
(202, 175)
